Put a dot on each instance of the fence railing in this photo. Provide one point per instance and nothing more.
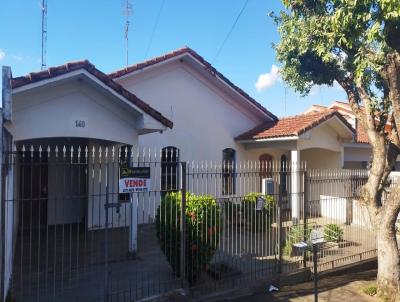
(202, 225)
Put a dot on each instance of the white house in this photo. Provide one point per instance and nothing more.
(66, 126)
(211, 114)
(69, 123)
(214, 120)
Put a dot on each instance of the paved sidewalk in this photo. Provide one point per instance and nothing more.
(340, 288)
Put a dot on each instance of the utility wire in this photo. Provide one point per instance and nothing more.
(154, 29)
(230, 30)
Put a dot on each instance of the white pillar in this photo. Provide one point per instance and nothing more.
(133, 228)
(295, 184)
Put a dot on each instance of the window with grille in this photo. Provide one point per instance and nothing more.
(169, 169)
(228, 171)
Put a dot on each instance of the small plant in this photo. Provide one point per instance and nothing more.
(202, 232)
(296, 234)
(9, 298)
(371, 290)
(333, 233)
(257, 219)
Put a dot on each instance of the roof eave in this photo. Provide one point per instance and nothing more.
(91, 72)
(188, 52)
(268, 139)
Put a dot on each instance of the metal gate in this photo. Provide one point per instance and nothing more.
(70, 233)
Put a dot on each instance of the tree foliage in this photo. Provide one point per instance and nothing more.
(355, 43)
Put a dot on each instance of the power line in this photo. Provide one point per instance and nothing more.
(231, 30)
(154, 29)
(44, 34)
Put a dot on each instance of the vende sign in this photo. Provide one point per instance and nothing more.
(134, 180)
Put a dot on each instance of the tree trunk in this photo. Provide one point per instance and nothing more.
(388, 279)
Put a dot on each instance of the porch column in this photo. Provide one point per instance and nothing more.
(133, 227)
(295, 185)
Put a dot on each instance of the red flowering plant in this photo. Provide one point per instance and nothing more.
(202, 221)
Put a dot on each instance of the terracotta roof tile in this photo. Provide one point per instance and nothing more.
(207, 65)
(104, 78)
(361, 137)
(290, 126)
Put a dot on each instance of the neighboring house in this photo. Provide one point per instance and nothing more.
(357, 154)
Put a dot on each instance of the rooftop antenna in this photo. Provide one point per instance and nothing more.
(44, 33)
(127, 13)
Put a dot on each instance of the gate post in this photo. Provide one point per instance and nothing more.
(305, 226)
(106, 274)
(2, 216)
(280, 237)
(183, 223)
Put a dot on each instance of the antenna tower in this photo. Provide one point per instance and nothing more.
(44, 33)
(127, 14)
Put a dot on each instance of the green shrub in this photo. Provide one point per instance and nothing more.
(371, 290)
(257, 220)
(333, 233)
(202, 232)
(295, 235)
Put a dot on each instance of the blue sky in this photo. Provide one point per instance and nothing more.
(94, 30)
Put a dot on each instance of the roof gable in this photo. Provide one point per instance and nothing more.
(291, 126)
(61, 70)
(177, 54)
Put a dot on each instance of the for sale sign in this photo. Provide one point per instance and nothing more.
(135, 179)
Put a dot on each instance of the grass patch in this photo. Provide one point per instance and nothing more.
(371, 290)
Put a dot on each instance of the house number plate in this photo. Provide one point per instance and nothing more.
(79, 123)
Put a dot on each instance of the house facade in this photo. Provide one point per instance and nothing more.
(65, 131)
(211, 114)
(216, 121)
(72, 126)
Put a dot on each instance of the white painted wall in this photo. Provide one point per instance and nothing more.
(206, 120)
(334, 208)
(52, 111)
(322, 137)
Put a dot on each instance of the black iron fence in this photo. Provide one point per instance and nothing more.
(105, 223)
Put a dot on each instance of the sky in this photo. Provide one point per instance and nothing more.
(94, 30)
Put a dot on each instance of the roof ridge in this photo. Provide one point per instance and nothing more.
(147, 62)
(208, 66)
(322, 112)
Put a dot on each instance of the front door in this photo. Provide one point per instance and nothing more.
(33, 179)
